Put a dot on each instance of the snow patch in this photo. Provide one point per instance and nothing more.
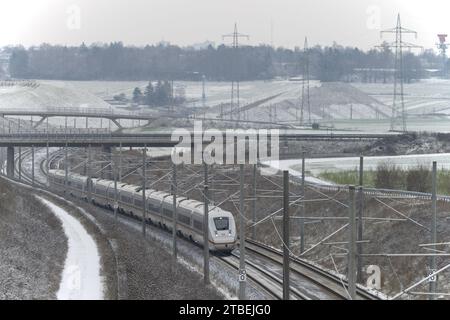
(81, 278)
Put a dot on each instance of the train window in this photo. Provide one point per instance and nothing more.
(138, 203)
(126, 199)
(198, 225)
(167, 212)
(222, 223)
(184, 219)
(153, 208)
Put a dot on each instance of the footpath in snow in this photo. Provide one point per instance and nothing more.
(81, 278)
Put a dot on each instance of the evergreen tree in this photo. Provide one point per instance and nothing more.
(149, 94)
(137, 95)
(159, 93)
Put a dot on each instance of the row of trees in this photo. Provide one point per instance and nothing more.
(118, 62)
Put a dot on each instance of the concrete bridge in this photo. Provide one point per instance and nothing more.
(102, 138)
(116, 115)
(112, 114)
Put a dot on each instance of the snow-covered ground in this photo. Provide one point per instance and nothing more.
(216, 92)
(39, 156)
(333, 102)
(81, 278)
(291, 166)
(56, 95)
(316, 166)
(425, 96)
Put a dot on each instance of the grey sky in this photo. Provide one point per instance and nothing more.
(348, 22)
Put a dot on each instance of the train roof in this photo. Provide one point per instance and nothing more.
(73, 176)
(218, 212)
(129, 188)
(105, 183)
(160, 195)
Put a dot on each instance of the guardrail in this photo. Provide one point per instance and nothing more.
(55, 131)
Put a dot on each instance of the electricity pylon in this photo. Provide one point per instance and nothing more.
(305, 85)
(398, 46)
(443, 46)
(235, 83)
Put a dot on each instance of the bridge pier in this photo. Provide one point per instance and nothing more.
(10, 162)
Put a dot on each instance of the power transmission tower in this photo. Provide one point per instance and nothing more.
(235, 83)
(443, 46)
(203, 91)
(399, 45)
(305, 85)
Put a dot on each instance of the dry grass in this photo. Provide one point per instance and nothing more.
(32, 246)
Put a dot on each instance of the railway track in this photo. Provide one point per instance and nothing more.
(263, 264)
(331, 286)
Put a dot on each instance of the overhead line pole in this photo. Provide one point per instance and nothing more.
(175, 214)
(286, 237)
(302, 206)
(254, 201)
(433, 264)
(242, 271)
(144, 187)
(206, 228)
(360, 220)
(352, 241)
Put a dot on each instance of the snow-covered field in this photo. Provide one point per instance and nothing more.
(58, 94)
(81, 276)
(216, 92)
(316, 166)
(426, 96)
(331, 103)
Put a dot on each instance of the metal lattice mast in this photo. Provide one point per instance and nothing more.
(443, 46)
(305, 85)
(398, 46)
(235, 83)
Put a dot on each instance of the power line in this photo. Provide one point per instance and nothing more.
(399, 45)
(305, 85)
(235, 83)
(443, 46)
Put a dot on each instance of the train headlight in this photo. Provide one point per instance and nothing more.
(216, 233)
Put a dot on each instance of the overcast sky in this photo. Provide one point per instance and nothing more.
(183, 22)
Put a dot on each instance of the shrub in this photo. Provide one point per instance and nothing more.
(418, 179)
(388, 176)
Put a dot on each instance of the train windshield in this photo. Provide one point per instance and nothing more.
(222, 223)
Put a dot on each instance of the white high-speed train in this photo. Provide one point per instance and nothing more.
(190, 213)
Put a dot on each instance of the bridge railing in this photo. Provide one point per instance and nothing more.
(79, 111)
(39, 133)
